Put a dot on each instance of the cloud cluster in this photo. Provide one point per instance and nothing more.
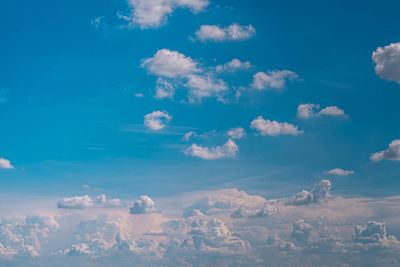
(157, 120)
(142, 206)
(391, 153)
(236, 133)
(307, 111)
(274, 128)
(387, 62)
(86, 202)
(227, 150)
(153, 13)
(319, 193)
(5, 164)
(234, 32)
(275, 79)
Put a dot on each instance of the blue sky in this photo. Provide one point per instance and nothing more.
(71, 86)
(187, 100)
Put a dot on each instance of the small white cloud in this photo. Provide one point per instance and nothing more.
(228, 150)
(233, 65)
(157, 120)
(307, 111)
(77, 202)
(340, 172)
(139, 95)
(387, 60)
(236, 133)
(234, 32)
(272, 79)
(170, 64)
(164, 89)
(391, 153)
(274, 128)
(96, 22)
(5, 164)
(154, 13)
(204, 86)
(189, 135)
(142, 206)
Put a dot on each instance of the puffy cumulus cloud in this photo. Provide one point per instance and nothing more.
(338, 171)
(157, 120)
(318, 193)
(142, 206)
(387, 60)
(187, 136)
(233, 65)
(85, 202)
(204, 86)
(374, 235)
(272, 79)
(153, 13)
(307, 111)
(236, 133)
(301, 230)
(170, 64)
(228, 150)
(274, 128)
(391, 153)
(234, 32)
(5, 164)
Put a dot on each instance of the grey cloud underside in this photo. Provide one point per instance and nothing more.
(222, 227)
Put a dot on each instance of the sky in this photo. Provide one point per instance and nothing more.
(272, 116)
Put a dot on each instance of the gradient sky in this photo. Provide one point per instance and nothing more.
(78, 78)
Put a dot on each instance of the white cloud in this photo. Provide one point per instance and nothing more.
(142, 206)
(164, 89)
(228, 150)
(5, 164)
(153, 13)
(391, 153)
(189, 135)
(86, 202)
(233, 65)
(340, 172)
(274, 128)
(387, 60)
(272, 80)
(236, 133)
(318, 193)
(306, 111)
(96, 22)
(170, 64)
(204, 86)
(234, 32)
(156, 120)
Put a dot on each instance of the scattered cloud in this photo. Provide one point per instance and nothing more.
(272, 79)
(5, 164)
(164, 89)
(387, 62)
(228, 150)
(204, 86)
(142, 206)
(274, 128)
(340, 172)
(234, 32)
(97, 22)
(233, 65)
(170, 64)
(157, 120)
(86, 202)
(236, 133)
(307, 111)
(154, 13)
(391, 153)
(189, 135)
